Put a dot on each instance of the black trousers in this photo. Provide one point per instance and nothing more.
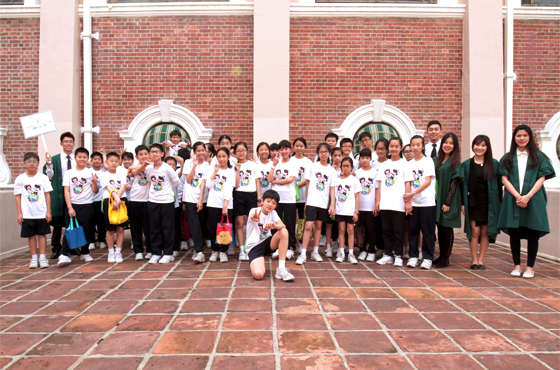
(203, 216)
(422, 219)
(369, 231)
(532, 236)
(100, 222)
(194, 219)
(446, 237)
(378, 231)
(57, 224)
(393, 232)
(85, 217)
(139, 224)
(162, 227)
(215, 216)
(177, 239)
(287, 213)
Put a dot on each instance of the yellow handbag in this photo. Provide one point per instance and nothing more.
(117, 216)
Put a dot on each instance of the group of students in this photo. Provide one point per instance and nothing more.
(376, 201)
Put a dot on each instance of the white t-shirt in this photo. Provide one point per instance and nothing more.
(320, 179)
(162, 180)
(249, 174)
(264, 169)
(287, 192)
(191, 191)
(140, 188)
(256, 232)
(117, 180)
(99, 196)
(368, 184)
(345, 192)
(32, 190)
(174, 148)
(80, 185)
(302, 166)
(221, 188)
(392, 176)
(417, 172)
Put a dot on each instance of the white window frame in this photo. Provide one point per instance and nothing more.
(548, 138)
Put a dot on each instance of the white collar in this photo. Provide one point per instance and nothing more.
(524, 153)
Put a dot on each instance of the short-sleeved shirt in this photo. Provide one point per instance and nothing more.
(256, 232)
(320, 179)
(283, 171)
(418, 172)
(191, 190)
(368, 184)
(345, 192)
(302, 167)
(174, 148)
(140, 190)
(117, 180)
(221, 188)
(392, 176)
(249, 174)
(161, 182)
(32, 190)
(80, 185)
(264, 169)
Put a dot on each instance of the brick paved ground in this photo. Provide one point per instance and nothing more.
(333, 316)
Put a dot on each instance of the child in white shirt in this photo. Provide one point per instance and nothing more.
(98, 168)
(175, 162)
(367, 177)
(331, 230)
(302, 165)
(138, 206)
(174, 144)
(264, 166)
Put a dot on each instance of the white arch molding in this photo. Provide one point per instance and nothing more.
(548, 138)
(165, 111)
(377, 111)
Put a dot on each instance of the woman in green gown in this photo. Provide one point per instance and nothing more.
(523, 212)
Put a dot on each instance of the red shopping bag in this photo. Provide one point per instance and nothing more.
(185, 229)
(224, 232)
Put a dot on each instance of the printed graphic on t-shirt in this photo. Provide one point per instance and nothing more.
(33, 193)
(196, 179)
(301, 172)
(78, 187)
(264, 179)
(279, 175)
(143, 181)
(220, 181)
(322, 180)
(367, 185)
(263, 232)
(342, 193)
(116, 186)
(245, 177)
(157, 182)
(390, 177)
(418, 176)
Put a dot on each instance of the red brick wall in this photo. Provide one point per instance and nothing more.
(19, 85)
(536, 94)
(138, 61)
(340, 64)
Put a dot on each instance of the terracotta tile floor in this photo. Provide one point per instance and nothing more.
(333, 316)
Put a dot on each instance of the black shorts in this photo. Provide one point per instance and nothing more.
(316, 213)
(243, 202)
(108, 225)
(34, 226)
(260, 250)
(347, 219)
(365, 219)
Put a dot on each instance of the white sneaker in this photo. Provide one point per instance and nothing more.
(398, 262)
(34, 263)
(111, 257)
(208, 244)
(191, 243)
(284, 274)
(290, 254)
(412, 262)
(340, 256)
(362, 256)
(154, 259)
(102, 245)
(118, 257)
(214, 257)
(86, 258)
(231, 250)
(315, 256)
(166, 259)
(352, 259)
(516, 273)
(243, 256)
(385, 260)
(223, 257)
(44, 263)
(275, 254)
(426, 264)
(198, 257)
(328, 252)
(91, 246)
(63, 260)
(323, 241)
(184, 246)
(139, 257)
(302, 258)
(370, 257)
(175, 254)
(148, 256)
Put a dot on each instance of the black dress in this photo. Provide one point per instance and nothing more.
(478, 195)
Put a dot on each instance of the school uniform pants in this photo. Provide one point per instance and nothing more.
(84, 215)
(100, 222)
(532, 236)
(194, 219)
(214, 217)
(162, 227)
(378, 231)
(393, 232)
(422, 219)
(369, 232)
(177, 239)
(446, 237)
(203, 216)
(287, 213)
(139, 224)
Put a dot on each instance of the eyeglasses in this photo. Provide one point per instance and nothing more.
(67, 141)
(323, 152)
(381, 149)
(155, 151)
(31, 162)
(347, 146)
(241, 151)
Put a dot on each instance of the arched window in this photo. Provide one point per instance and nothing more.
(377, 131)
(549, 143)
(160, 133)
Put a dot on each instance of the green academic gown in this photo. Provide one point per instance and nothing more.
(534, 216)
(494, 189)
(453, 217)
(57, 194)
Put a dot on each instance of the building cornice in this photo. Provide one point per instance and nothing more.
(534, 12)
(20, 11)
(171, 9)
(361, 10)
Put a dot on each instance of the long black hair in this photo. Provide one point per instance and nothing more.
(455, 157)
(531, 147)
(488, 158)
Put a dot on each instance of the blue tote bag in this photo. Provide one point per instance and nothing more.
(75, 236)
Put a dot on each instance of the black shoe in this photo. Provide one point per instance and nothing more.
(474, 266)
(436, 261)
(55, 254)
(442, 263)
(75, 252)
(481, 267)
